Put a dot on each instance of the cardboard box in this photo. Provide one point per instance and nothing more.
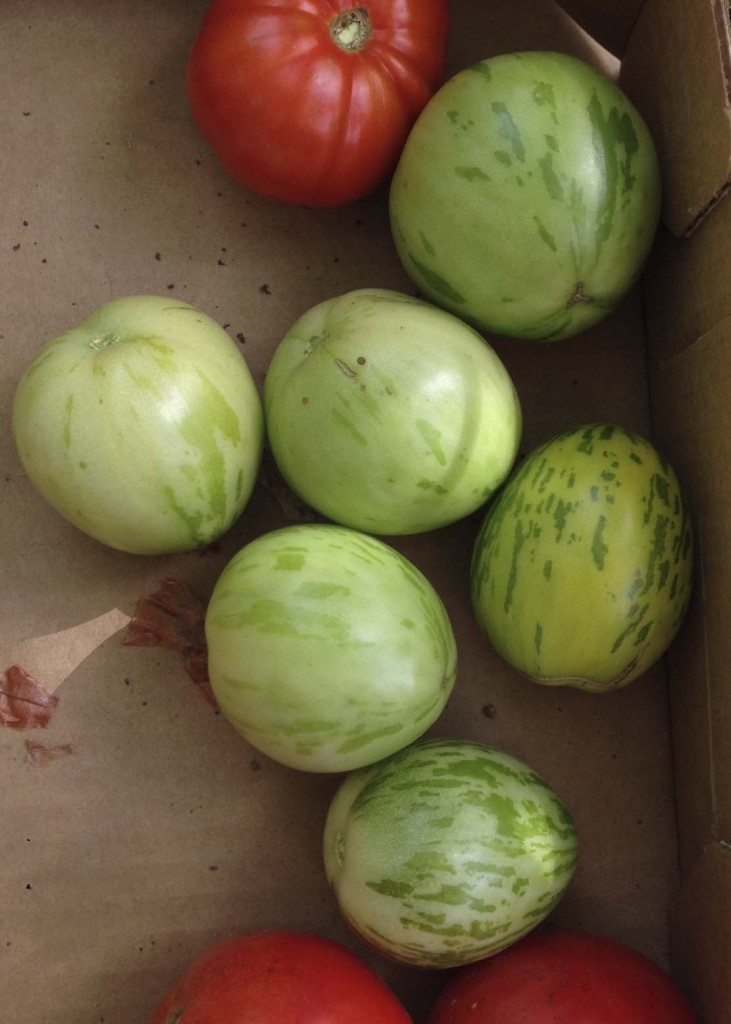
(160, 829)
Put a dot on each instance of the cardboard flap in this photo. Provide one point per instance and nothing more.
(610, 24)
(677, 69)
(702, 930)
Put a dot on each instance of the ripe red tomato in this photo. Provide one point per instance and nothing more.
(279, 977)
(310, 101)
(571, 978)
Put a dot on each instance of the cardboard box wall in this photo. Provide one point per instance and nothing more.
(676, 65)
(163, 830)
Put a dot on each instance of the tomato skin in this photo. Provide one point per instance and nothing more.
(142, 426)
(485, 233)
(568, 977)
(447, 851)
(327, 649)
(295, 117)
(279, 977)
(373, 470)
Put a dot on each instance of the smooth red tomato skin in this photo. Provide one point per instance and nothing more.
(279, 977)
(570, 978)
(296, 118)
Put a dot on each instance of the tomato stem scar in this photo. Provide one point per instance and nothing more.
(579, 296)
(104, 340)
(351, 29)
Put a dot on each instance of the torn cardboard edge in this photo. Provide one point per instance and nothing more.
(684, 96)
(53, 657)
(610, 25)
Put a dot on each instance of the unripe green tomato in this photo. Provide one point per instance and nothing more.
(389, 415)
(581, 573)
(527, 196)
(328, 649)
(142, 426)
(447, 852)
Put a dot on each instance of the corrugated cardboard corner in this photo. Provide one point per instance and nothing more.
(677, 67)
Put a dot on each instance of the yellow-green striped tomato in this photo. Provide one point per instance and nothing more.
(447, 852)
(327, 648)
(527, 196)
(142, 426)
(581, 572)
(388, 414)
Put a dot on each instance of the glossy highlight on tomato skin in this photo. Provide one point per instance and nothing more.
(299, 119)
(281, 976)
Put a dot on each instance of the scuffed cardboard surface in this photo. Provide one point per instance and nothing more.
(163, 830)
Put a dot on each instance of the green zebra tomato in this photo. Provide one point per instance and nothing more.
(527, 196)
(447, 852)
(581, 572)
(327, 649)
(142, 426)
(388, 414)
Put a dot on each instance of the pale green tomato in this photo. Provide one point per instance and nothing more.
(142, 426)
(447, 852)
(389, 415)
(582, 570)
(527, 196)
(327, 649)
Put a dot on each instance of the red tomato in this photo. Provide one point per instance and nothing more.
(279, 977)
(566, 978)
(310, 101)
